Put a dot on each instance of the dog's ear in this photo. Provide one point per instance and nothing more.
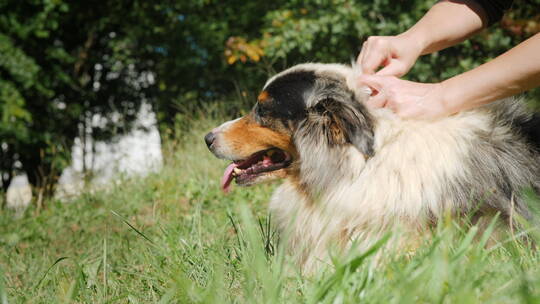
(343, 123)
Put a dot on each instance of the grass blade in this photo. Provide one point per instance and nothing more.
(50, 267)
(132, 227)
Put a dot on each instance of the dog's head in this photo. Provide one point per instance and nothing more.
(302, 112)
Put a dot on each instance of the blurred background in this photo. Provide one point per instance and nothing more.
(90, 90)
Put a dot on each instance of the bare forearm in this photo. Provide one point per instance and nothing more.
(511, 73)
(447, 23)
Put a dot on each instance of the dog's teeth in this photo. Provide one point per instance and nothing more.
(237, 171)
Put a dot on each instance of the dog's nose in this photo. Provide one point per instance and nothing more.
(209, 139)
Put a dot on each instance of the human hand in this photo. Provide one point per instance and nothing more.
(397, 54)
(406, 98)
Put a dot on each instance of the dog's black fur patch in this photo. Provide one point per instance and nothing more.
(286, 96)
(337, 116)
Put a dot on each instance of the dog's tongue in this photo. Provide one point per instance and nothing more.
(227, 178)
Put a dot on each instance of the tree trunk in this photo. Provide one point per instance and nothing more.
(6, 172)
(6, 181)
(42, 175)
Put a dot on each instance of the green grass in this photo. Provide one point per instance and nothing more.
(172, 237)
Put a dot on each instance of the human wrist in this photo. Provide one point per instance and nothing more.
(415, 40)
(453, 97)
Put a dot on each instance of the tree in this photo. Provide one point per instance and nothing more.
(60, 64)
(63, 62)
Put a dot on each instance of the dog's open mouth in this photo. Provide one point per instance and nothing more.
(248, 171)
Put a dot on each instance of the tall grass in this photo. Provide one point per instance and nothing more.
(173, 237)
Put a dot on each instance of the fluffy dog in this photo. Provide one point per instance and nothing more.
(352, 174)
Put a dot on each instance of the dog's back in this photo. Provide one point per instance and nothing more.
(505, 160)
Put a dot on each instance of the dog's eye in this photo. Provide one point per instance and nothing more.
(260, 114)
(258, 111)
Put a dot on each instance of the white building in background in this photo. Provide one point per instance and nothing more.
(136, 153)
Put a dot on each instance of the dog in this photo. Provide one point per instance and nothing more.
(353, 173)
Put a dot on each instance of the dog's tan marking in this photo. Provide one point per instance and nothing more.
(263, 97)
(337, 134)
(246, 137)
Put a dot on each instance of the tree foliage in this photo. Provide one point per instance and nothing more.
(227, 49)
(333, 31)
(63, 62)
